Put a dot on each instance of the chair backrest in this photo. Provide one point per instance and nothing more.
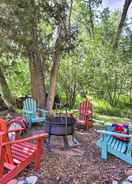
(85, 110)
(3, 127)
(30, 105)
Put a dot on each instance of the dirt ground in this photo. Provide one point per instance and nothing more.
(78, 165)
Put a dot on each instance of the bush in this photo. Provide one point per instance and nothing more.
(122, 109)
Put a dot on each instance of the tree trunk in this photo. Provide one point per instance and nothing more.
(121, 23)
(53, 78)
(72, 95)
(6, 91)
(55, 68)
(91, 19)
(130, 96)
(37, 78)
(3, 105)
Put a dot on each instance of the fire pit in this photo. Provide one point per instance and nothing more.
(61, 126)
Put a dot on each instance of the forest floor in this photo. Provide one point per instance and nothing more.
(78, 165)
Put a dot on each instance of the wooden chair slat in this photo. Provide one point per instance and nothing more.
(113, 143)
(119, 146)
(22, 154)
(110, 140)
(123, 148)
(9, 166)
(26, 146)
(18, 157)
(116, 145)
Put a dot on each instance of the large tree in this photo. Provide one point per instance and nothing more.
(121, 23)
(20, 25)
(63, 35)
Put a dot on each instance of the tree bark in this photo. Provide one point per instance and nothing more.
(91, 19)
(53, 78)
(121, 23)
(72, 96)
(55, 68)
(37, 78)
(3, 105)
(9, 100)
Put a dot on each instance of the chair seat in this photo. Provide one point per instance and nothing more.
(113, 144)
(38, 119)
(80, 122)
(22, 151)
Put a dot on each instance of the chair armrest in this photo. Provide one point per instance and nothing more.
(114, 133)
(42, 110)
(30, 138)
(27, 111)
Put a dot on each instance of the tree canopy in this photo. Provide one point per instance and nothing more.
(66, 47)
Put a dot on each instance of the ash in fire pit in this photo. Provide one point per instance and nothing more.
(61, 126)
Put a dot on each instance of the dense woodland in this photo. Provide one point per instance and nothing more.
(73, 48)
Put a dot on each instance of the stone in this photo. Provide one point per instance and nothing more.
(129, 178)
(22, 177)
(126, 182)
(114, 182)
(32, 179)
(128, 172)
(73, 141)
(28, 180)
(22, 182)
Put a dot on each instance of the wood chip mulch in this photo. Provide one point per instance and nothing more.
(78, 165)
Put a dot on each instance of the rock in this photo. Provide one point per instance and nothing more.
(22, 177)
(8, 116)
(129, 178)
(21, 182)
(126, 182)
(32, 179)
(58, 178)
(29, 180)
(128, 172)
(114, 182)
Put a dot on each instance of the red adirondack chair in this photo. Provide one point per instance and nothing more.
(18, 154)
(85, 114)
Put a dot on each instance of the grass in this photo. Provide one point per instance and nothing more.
(123, 109)
(108, 120)
(106, 114)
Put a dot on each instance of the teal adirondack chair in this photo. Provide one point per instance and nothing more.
(109, 144)
(32, 113)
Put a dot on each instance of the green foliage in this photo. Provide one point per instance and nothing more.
(19, 78)
(122, 109)
(108, 120)
(91, 68)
